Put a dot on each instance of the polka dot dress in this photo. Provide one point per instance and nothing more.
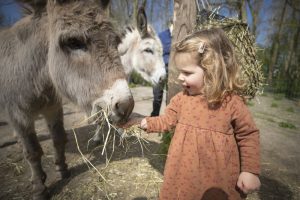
(209, 149)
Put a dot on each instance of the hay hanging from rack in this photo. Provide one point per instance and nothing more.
(244, 46)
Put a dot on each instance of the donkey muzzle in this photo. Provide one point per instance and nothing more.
(116, 101)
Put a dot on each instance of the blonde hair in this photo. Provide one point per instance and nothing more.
(215, 54)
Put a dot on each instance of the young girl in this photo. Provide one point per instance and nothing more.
(214, 153)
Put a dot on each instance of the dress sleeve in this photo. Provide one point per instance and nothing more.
(169, 119)
(247, 137)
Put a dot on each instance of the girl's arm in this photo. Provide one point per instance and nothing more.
(166, 121)
(247, 137)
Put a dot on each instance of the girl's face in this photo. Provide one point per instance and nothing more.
(191, 74)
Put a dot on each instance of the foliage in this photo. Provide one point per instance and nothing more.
(274, 105)
(287, 125)
(270, 120)
(166, 140)
(278, 96)
(281, 59)
(136, 79)
(250, 103)
(290, 109)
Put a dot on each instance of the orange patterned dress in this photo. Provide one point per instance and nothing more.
(209, 149)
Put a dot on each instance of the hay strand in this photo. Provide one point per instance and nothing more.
(88, 163)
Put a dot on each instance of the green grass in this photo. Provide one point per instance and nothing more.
(278, 96)
(132, 85)
(264, 94)
(250, 103)
(166, 140)
(287, 125)
(136, 79)
(290, 109)
(270, 120)
(274, 105)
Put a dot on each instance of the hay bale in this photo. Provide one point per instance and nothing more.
(244, 46)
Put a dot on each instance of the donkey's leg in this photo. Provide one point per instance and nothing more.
(33, 153)
(54, 118)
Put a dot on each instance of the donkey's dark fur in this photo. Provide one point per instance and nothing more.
(63, 48)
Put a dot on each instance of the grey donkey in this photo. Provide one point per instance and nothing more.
(63, 48)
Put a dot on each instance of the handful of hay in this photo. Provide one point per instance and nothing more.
(109, 131)
(244, 46)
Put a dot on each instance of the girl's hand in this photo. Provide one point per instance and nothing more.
(134, 119)
(144, 124)
(248, 182)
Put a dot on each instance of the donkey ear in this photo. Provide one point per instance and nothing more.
(37, 6)
(59, 1)
(141, 21)
(104, 3)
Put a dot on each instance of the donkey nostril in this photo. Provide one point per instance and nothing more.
(124, 108)
(161, 79)
(119, 109)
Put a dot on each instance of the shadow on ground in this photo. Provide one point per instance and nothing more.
(274, 190)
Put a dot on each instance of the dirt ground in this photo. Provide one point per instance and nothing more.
(136, 174)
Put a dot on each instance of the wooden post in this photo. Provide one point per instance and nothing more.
(184, 20)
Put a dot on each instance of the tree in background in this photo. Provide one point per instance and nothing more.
(283, 62)
(184, 20)
(1, 19)
(276, 43)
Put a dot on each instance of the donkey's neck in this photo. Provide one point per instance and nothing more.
(129, 40)
(25, 60)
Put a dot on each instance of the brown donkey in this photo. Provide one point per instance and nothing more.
(63, 48)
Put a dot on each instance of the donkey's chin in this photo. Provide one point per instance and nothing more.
(99, 114)
(158, 77)
(116, 103)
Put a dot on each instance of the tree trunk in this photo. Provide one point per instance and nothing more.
(144, 3)
(242, 11)
(184, 19)
(293, 41)
(275, 46)
(254, 7)
(135, 10)
(291, 69)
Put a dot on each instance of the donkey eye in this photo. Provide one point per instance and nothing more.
(148, 50)
(74, 44)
